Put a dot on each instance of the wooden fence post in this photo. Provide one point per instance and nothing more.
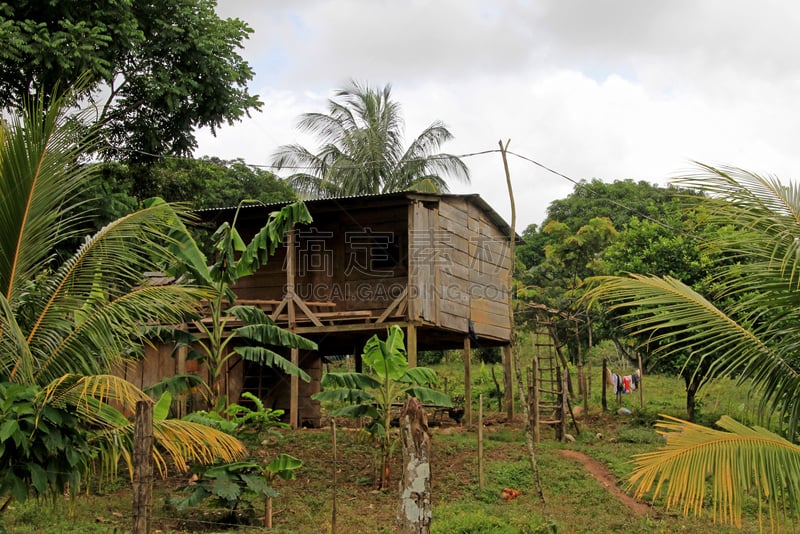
(480, 442)
(467, 381)
(605, 370)
(143, 467)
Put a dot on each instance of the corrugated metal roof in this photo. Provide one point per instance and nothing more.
(472, 197)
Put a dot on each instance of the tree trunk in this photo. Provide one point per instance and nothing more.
(691, 391)
(414, 513)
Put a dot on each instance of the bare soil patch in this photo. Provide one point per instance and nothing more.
(606, 478)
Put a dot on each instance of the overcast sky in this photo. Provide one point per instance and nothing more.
(590, 88)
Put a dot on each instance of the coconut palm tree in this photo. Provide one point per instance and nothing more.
(64, 326)
(748, 328)
(362, 149)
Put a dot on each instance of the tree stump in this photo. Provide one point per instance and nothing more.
(414, 513)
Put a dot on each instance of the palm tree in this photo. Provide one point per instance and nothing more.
(747, 328)
(362, 150)
(63, 327)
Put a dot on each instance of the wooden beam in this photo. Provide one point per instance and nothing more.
(290, 258)
(302, 305)
(279, 308)
(395, 303)
(357, 327)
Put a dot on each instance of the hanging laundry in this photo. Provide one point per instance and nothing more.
(626, 384)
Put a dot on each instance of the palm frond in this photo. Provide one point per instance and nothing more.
(361, 139)
(102, 402)
(699, 463)
(14, 350)
(110, 331)
(40, 180)
(667, 312)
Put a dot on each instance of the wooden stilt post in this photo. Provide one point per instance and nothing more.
(294, 381)
(334, 511)
(467, 381)
(508, 381)
(294, 393)
(411, 345)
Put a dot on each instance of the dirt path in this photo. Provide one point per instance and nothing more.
(606, 479)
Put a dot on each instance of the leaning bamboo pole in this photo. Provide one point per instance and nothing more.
(522, 396)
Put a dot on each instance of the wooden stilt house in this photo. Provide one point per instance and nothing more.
(435, 264)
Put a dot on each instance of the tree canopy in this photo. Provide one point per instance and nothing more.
(155, 71)
(615, 228)
(362, 149)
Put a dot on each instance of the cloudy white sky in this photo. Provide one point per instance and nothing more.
(606, 89)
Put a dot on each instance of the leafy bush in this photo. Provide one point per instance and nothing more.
(255, 420)
(42, 448)
(430, 357)
(489, 354)
(228, 485)
(238, 419)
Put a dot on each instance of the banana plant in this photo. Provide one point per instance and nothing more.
(229, 484)
(283, 466)
(235, 260)
(373, 394)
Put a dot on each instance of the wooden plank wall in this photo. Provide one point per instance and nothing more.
(489, 295)
(423, 263)
(159, 363)
(474, 274)
(453, 249)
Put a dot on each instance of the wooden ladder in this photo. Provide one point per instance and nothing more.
(547, 383)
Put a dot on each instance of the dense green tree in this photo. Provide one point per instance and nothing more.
(656, 231)
(117, 189)
(620, 201)
(747, 323)
(587, 234)
(671, 247)
(213, 183)
(155, 71)
(202, 183)
(65, 325)
(570, 244)
(362, 149)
